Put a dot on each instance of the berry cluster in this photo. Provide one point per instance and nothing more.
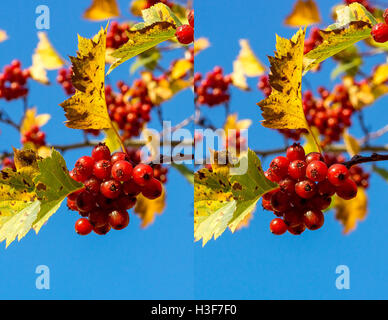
(365, 3)
(306, 185)
(35, 136)
(130, 115)
(185, 32)
(214, 89)
(380, 30)
(117, 35)
(64, 79)
(111, 185)
(13, 81)
(313, 40)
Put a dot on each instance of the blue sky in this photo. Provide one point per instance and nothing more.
(155, 263)
(253, 263)
(162, 262)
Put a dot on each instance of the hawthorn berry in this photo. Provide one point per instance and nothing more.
(190, 18)
(385, 16)
(98, 217)
(101, 152)
(84, 167)
(313, 219)
(316, 171)
(102, 230)
(111, 189)
(185, 34)
(297, 230)
(118, 219)
(142, 173)
(85, 202)
(280, 201)
(152, 189)
(305, 189)
(337, 174)
(102, 169)
(380, 32)
(83, 226)
(279, 166)
(277, 226)
(347, 190)
(314, 156)
(122, 170)
(297, 169)
(295, 152)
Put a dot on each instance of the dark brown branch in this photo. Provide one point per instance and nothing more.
(357, 159)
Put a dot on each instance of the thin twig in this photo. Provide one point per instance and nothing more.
(357, 159)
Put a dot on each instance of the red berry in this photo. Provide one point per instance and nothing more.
(92, 185)
(111, 189)
(287, 185)
(277, 226)
(142, 173)
(271, 176)
(337, 174)
(125, 202)
(313, 219)
(316, 171)
(185, 34)
(122, 170)
(347, 190)
(118, 219)
(102, 230)
(75, 175)
(83, 226)
(190, 17)
(297, 169)
(297, 230)
(325, 188)
(102, 169)
(117, 156)
(385, 16)
(320, 203)
(73, 196)
(293, 217)
(266, 204)
(279, 166)
(130, 188)
(305, 189)
(152, 189)
(86, 202)
(71, 204)
(380, 32)
(312, 156)
(295, 152)
(101, 152)
(280, 201)
(84, 167)
(98, 217)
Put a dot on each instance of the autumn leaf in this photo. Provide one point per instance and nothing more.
(349, 212)
(180, 68)
(351, 144)
(53, 184)
(380, 74)
(137, 6)
(159, 25)
(283, 108)
(147, 209)
(354, 23)
(223, 200)
(31, 119)
(111, 139)
(310, 145)
(3, 35)
(102, 10)
(304, 13)
(87, 109)
(232, 123)
(200, 44)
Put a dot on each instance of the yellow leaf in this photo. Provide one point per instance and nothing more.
(147, 209)
(303, 14)
(163, 89)
(48, 56)
(251, 65)
(310, 145)
(137, 6)
(26, 161)
(31, 119)
(201, 44)
(37, 70)
(351, 144)
(283, 108)
(86, 109)
(231, 123)
(111, 139)
(380, 75)
(349, 212)
(3, 36)
(245, 222)
(180, 68)
(238, 77)
(102, 10)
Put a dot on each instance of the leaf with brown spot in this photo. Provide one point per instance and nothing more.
(283, 109)
(87, 109)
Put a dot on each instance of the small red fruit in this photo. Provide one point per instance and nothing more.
(313, 219)
(101, 152)
(316, 171)
(380, 32)
(306, 189)
(118, 219)
(277, 226)
(83, 226)
(110, 189)
(190, 17)
(122, 170)
(295, 152)
(185, 34)
(142, 173)
(348, 190)
(337, 174)
(153, 189)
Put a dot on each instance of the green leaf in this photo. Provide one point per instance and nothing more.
(186, 172)
(349, 62)
(148, 59)
(53, 184)
(141, 40)
(159, 13)
(354, 23)
(223, 199)
(382, 172)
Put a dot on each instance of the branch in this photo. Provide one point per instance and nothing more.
(357, 159)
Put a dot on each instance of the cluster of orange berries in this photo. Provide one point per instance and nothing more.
(13, 81)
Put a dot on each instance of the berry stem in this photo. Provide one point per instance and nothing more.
(357, 159)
